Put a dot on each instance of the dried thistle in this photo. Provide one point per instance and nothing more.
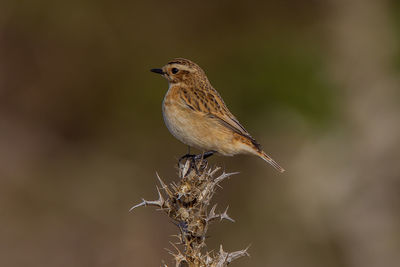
(187, 203)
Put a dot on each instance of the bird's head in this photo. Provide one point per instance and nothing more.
(180, 70)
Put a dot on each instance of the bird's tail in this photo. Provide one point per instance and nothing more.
(268, 159)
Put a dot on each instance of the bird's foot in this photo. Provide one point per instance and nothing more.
(187, 156)
(194, 159)
(205, 155)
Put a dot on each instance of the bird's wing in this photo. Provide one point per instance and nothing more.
(210, 104)
(232, 124)
(229, 122)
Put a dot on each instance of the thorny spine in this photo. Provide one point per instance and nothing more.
(187, 202)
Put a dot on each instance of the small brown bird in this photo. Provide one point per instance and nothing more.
(196, 115)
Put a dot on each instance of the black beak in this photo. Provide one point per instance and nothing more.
(159, 71)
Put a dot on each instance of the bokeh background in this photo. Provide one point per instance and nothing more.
(81, 131)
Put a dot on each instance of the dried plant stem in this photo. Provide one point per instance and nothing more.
(187, 203)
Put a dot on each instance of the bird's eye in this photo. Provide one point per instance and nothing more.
(174, 70)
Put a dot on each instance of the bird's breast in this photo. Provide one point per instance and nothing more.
(176, 117)
(188, 126)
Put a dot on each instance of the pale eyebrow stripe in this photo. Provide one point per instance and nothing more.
(180, 66)
(175, 62)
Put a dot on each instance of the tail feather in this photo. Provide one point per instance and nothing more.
(271, 161)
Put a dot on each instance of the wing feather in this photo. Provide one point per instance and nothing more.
(210, 104)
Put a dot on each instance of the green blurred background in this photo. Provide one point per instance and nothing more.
(82, 135)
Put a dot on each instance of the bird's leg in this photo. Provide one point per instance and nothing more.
(188, 155)
(205, 155)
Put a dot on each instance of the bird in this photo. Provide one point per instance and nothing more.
(195, 113)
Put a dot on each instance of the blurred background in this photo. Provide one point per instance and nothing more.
(82, 135)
